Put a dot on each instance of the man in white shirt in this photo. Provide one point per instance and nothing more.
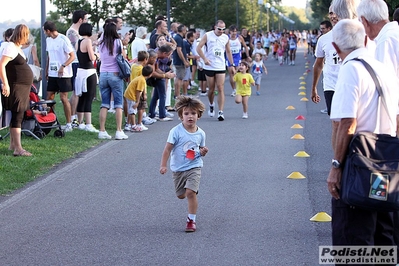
(327, 59)
(217, 44)
(374, 16)
(355, 108)
(61, 54)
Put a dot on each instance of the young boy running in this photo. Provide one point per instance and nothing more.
(186, 144)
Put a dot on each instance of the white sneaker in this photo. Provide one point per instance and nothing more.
(194, 84)
(91, 128)
(143, 127)
(211, 111)
(119, 135)
(68, 128)
(233, 93)
(167, 114)
(293, 63)
(104, 135)
(220, 116)
(245, 115)
(203, 94)
(165, 119)
(82, 126)
(128, 127)
(136, 128)
(148, 121)
(111, 110)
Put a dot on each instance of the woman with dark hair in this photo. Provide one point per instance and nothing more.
(110, 82)
(86, 77)
(17, 78)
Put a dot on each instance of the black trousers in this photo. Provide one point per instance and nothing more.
(352, 226)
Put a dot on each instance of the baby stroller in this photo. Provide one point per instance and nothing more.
(40, 118)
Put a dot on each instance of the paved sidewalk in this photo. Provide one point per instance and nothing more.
(110, 206)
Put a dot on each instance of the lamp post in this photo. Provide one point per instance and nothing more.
(237, 14)
(260, 3)
(168, 13)
(267, 6)
(216, 11)
(43, 47)
(272, 11)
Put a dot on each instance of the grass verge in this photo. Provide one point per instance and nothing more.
(47, 152)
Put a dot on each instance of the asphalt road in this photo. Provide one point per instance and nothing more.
(110, 205)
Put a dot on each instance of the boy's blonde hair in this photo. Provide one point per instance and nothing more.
(188, 102)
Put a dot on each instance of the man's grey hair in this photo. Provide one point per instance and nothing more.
(373, 11)
(141, 32)
(345, 8)
(349, 35)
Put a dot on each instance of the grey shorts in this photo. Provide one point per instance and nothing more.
(257, 77)
(187, 179)
(187, 75)
(180, 72)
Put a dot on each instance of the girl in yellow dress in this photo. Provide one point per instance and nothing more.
(244, 81)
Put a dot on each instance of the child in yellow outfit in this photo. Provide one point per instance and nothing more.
(135, 71)
(136, 97)
(243, 81)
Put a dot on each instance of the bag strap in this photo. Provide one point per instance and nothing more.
(120, 46)
(376, 81)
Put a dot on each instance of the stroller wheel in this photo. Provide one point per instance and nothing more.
(40, 134)
(59, 133)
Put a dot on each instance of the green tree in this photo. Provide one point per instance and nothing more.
(320, 9)
(98, 9)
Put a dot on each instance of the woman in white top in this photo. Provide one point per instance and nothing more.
(30, 52)
(139, 44)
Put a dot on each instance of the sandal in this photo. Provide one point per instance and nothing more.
(22, 153)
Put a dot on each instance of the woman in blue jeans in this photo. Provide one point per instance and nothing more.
(159, 75)
(110, 82)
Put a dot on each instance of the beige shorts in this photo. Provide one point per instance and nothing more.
(187, 179)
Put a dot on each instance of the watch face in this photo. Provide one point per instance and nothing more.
(336, 164)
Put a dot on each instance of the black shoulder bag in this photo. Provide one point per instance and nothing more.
(370, 178)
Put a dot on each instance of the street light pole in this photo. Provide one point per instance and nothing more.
(168, 12)
(216, 11)
(237, 14)
(43, 49)
(267, 5)
(260, 3)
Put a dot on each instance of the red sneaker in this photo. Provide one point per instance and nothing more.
(190, 227)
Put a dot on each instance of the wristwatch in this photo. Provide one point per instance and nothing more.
(335, 163)
(63, 65)
(233, 65)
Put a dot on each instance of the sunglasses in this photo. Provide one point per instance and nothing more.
(221, 29)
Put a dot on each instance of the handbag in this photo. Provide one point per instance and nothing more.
(37, 72)
(370, 178)
(123, 65)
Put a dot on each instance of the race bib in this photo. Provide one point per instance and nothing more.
(53, 69)
(335, 60)
(218, 52)
(235, 50)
